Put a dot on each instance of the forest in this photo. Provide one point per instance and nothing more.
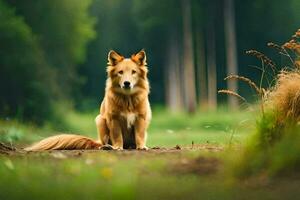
(64, 50)
(224, 84)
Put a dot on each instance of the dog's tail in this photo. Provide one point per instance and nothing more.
(64, 142)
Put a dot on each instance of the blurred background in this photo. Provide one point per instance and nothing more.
(53, 57)
(53, 53)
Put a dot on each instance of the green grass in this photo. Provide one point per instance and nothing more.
(135, 174)
(166, 129)
(208, 127)
(273, 149)
(16, 133)
(117, 175)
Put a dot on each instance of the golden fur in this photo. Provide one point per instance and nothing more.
(124, 112)
(64, 141)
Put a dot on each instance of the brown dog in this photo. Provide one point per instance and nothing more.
(125, 111)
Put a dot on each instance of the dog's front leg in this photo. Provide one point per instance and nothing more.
(140, 134)
(116, 135)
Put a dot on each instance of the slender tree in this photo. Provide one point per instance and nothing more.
(231, 55)
(188, 58)
(201, 68)
(173, 77)
(211, 60)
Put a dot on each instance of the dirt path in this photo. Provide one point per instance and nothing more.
(179, 162)
(10, 150)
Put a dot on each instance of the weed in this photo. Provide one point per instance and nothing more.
(274, 147)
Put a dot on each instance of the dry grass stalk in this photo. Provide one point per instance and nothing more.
(294, 43)
(285, 96)
(277, 47)
(246, 80)
(229, 92)
(265, 59)
(297, 64)
(281, 50)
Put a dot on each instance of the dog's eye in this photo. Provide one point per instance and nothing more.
(120, 72)
(133, 71)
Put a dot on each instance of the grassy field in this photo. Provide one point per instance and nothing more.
(198, 171)
(166, 129)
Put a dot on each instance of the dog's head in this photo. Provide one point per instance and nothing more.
(127, 74)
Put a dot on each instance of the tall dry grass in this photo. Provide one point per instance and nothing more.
(285, 96)
(275, 146)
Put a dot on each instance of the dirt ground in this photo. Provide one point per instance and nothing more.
(11, 150)
(200, 165)
(174, 172)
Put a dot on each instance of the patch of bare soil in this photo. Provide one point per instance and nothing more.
(200, 166)
(10, 150)
(181, 165)
(194, 147)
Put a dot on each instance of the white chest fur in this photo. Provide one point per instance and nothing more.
(130, 118)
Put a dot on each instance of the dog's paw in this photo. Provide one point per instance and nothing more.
(106, 147)
(117, 148)
(142, 148)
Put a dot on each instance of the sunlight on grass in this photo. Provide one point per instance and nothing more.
(166, 129)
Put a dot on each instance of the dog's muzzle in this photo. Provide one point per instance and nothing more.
(126, 85)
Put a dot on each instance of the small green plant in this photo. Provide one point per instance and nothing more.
(11, 134)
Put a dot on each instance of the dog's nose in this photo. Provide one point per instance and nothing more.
(126, 84)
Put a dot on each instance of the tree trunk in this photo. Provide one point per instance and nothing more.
(211, 63)
(231, 56)
(188, 58)
(174, 94)
(211, 58)
(201, 69)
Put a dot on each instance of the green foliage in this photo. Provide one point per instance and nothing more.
(10, 135)
(272, 150)
(269, 130)
(46, 53)
(16, 133)
(286, 157)
(42, 44)
(63, 29)
(26, 81)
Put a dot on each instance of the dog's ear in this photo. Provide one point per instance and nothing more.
(114, 58)
(140, 58)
